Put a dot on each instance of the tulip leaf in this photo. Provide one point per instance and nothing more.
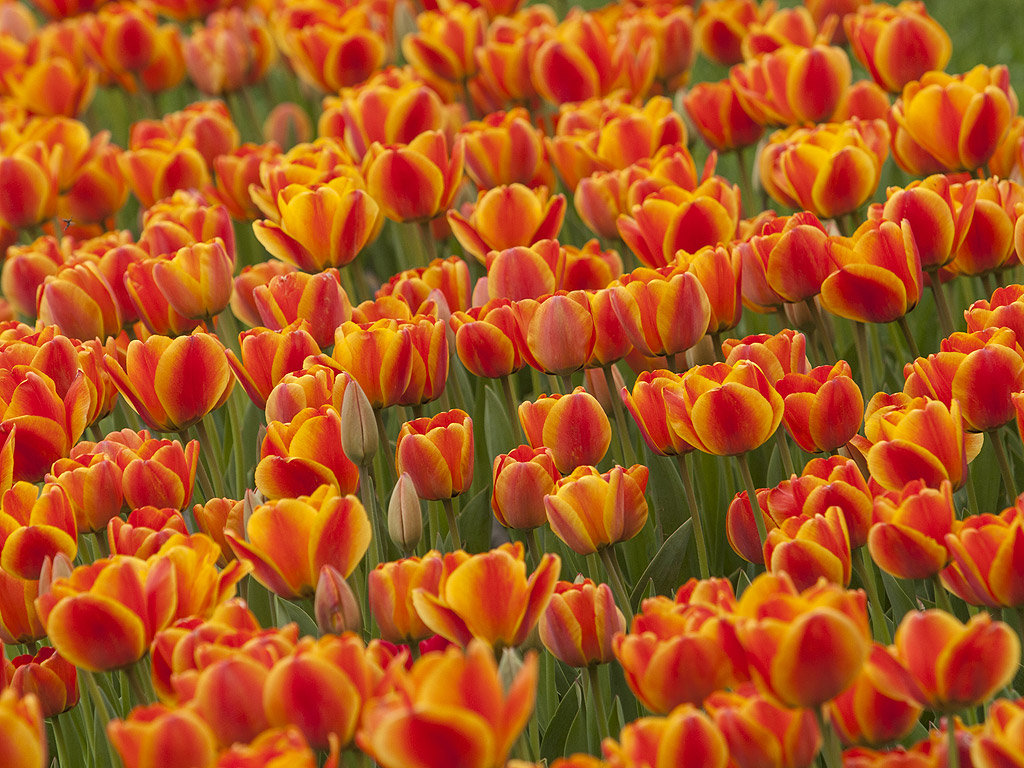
(547, 695)
(553, 745)
(293, 612)
(500, 434)
(475, 522)
(902, 602)
(664, 569)
(576, 739)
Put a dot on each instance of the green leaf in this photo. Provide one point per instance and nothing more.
(664, 570)
(497, 430)
(294, 612)
(901, 602)
(475, 522)
(553, 745)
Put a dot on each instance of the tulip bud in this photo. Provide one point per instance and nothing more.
(508, 667)
(405, 519)
(335, 605)
(359, 427)
(59, 567)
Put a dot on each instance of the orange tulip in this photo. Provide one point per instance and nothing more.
(578, 625)
(866, 713)
(649, 410)
(974, 109)
(778, 355)
(178, 736)
(92, 482)
(556, 334)
(298, 457)
(81, 301)
(573, 426)
(155, 173)
(936, 651)
(485, 339)
(792, 85)
(173, 383)
(456, 612)
(437, 453)
(661, 314)
(28, 180)
(810, 548)
(444, 45)
(823, 409)
(505, 148)
(521, 479)
(318, 299)
(986, 559)
(897, 44)
(995, 745)
(590, 510)
(19, 622)
(22, 721)
(686, 734)
(761, 733)
(390, 587)
(324, 528)
(425, 170)
(145, 531)
(456, 700)
(284, 745)
(232, 51)
(228, 696)
(721, 27)
(830, 170)
(865, 100)
(719, 116)
(321, 226)
(335, 51)
(157, 473)
(725, 409)
(989, 243)
(51, 86)
(446, 279)
(196, 281)
(507, 216)
(908, 538)
(267, 356)
(52, 679)
(545, 267)
(35, 525)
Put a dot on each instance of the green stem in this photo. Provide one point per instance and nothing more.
(102, 543)
(866, 570)
(953, 752)
(945, 318)
(823, 334)
(453, 376)
(204, 476)
(235, 425)
(453, 524)
(598, 697)
(831, 750)
(628, 454)
(1004, 464)
(427, 241)
(369, 499)
(755, 508)
(62, 741)
(100, 705)
(617, 583)
(860, 337)
(698, 525)
(532, 547)
(972, 494)
(210, 449)
(787, 457)
(941, 596)
(510, 405)
(746, 182)
(385, 446)
(565, 383)
(138, 686)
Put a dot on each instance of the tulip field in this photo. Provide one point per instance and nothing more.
(473, 383)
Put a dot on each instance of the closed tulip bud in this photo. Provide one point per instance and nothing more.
(335, 604)
(179, 736)
(760, 733)
(815, 79)
(866, 713)
(719, 116)
(979, 104)
(52, 679)
(897, 44)
(685, 735)
(405, 517)
(521, 480)
(437, 452)
(25, 730)
(359, 430)
(578, 625)
(908, 538)
(590, 510)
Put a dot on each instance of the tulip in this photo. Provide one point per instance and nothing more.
(984, 383)
(19, 622)
(521, 480)
(390, 589)
(52, 86)
(725, 410)
(267, 356)
(179, 736)
(22, 722)
(662, 316)
(685, 734)
(792, 256)
(196, 281)
(742, 531)
(718, 270)
(424, 169)
(445, 43)
(823, 409)
(92, 483)
(989, 242)
(379, 356)
(721, 27)
(649, 410)
(974, 109)
(286, 746)
(810, 548)
(719, 117)
(590, 511)
(458, 699)
(555, 334)
(908, 538)
(149, 304)
(879, 278)
(938, 223)
(897, 44)
(760, 733)
(145, 531)
(574, 427)
(405, 517)
(52, 679)
(865, 100)
(157, 473)
(338, 54)
(792, 85)
(505, 148)
(507, 216)
(154, 174)
(948, 665)
(318, 299)
(865, 713)
(228, 696)
(437, 453)
(81, 301)
(173, 383)
(485, 339)
(778, 355)
(35, 525)
(234, 172)
(217, 516)
(449, 278)
(579, 623)
(323, 226)
(986, 559)
(830, 170)
(456, 612)
(324, 528)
